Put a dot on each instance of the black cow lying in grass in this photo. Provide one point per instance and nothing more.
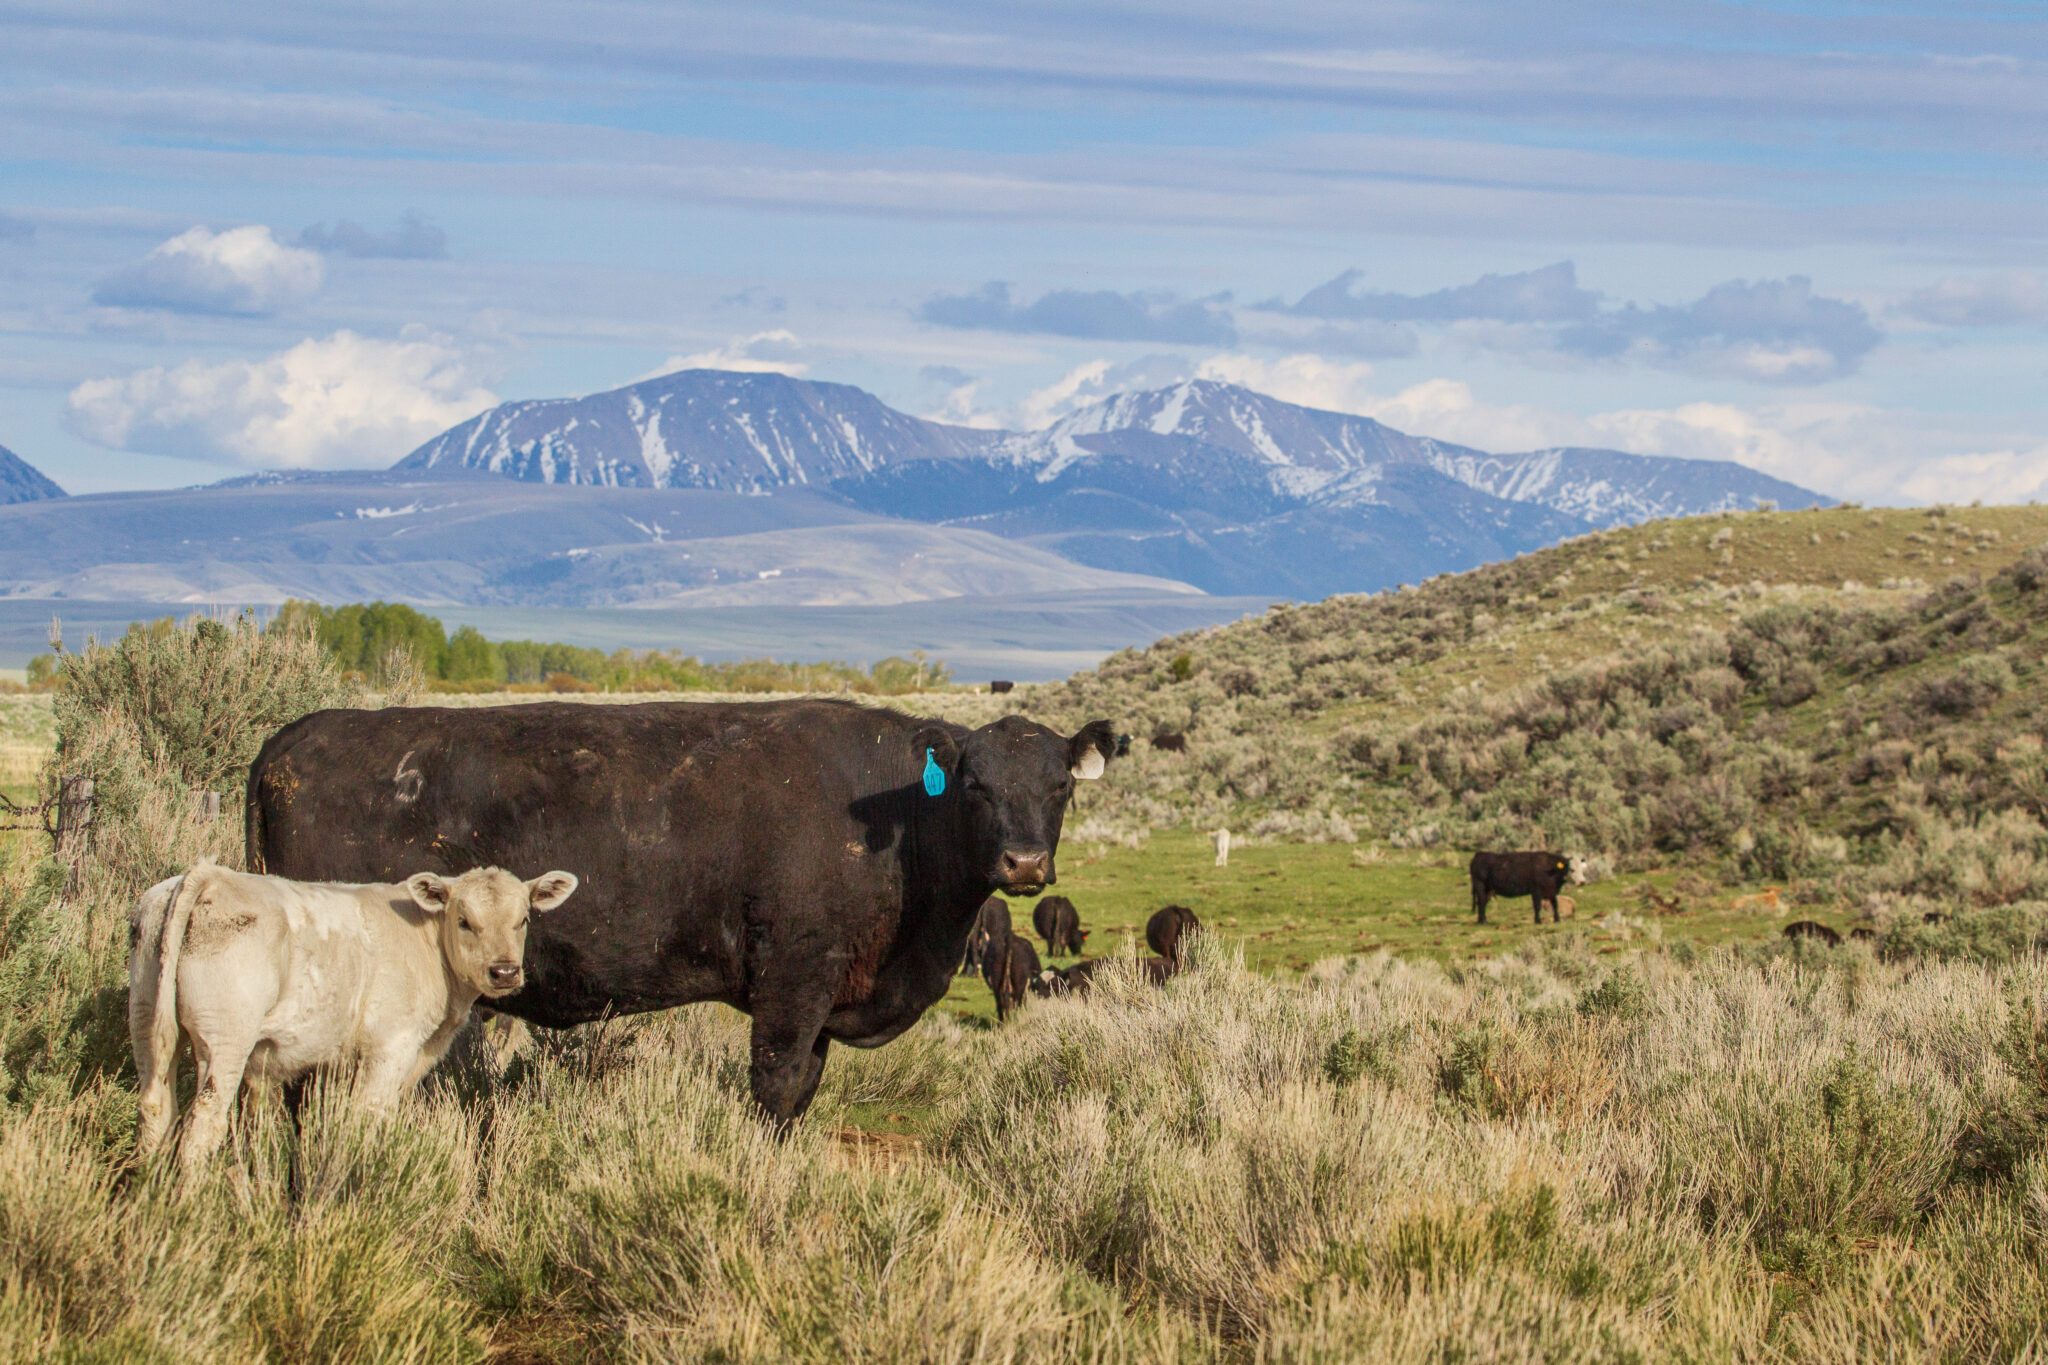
(1079, 979)
(1813, 929)
(1539, 876)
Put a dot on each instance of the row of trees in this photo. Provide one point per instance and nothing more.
(378, 640)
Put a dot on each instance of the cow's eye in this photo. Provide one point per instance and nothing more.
(461, 923)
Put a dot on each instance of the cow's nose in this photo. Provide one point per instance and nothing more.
(1027, 866)
(505, 974)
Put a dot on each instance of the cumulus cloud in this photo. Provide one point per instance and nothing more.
(338, 402)
(1091, 382)
(243, 271)
(1772, 331)
(1551, 294)
(1367, 337)
(1091, 315)
(1307, 379)
(414, 239)
(1988, 301)
(773, 352)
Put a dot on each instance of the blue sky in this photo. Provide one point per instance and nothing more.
(1808, 237)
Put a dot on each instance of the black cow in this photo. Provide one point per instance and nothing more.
(1059, 924)
(1010, 966)
(1863, 935)
(1079, 979)
(1539, 876)
(1164, 930)
(1170, 741)
(992, 923)
(1813, 929)
(783, 857)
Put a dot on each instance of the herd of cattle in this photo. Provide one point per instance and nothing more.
(825, 867)
(1010, 966)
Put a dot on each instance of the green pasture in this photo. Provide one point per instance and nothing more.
(1289, 905)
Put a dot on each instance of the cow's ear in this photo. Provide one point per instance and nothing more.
(549, 890)
(945, 750)
(1089, 752)
(429, 892)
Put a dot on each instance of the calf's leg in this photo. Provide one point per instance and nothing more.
(222, 1060)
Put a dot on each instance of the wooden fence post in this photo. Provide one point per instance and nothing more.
(74, 816)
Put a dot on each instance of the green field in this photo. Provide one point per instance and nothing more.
(1291, 905)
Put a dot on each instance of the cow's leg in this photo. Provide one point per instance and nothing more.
(1536, 899)
(1480, 896)
(222, 1060)
(788, 1056)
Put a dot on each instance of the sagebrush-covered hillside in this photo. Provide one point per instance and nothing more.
(1848, 700)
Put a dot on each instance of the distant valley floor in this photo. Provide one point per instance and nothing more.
(1028, 638)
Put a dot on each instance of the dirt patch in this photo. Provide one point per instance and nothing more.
(859, 1147)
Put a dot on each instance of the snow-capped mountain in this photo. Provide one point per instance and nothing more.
(1203, 482)
(718, 429)
(1332, 458)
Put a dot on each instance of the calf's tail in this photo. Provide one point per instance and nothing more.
(163, 1029)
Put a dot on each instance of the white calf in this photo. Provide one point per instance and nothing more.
(273, 978)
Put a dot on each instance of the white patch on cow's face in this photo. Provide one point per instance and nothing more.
(1090, 765)
(484, 915)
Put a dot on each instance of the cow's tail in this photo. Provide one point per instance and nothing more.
(163, 1026)
(252, 819)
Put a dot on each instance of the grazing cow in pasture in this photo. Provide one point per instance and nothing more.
(1934, 917)
(273, 979)
(1813, 929)
(1170, 741)
(1000, 686)
(991, 924)
(1539, 876)
(1009, 966)
(1059, 924)
(816, 864)
(1164, 930)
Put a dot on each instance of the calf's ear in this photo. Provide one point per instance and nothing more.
(1089, 752)
(549, 890)
(429, 892)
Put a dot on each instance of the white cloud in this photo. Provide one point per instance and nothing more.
(960, 408)
(1307, 379)
(243, 270)
(762, 353)
(1076, 388)
(1987, 301)
(338, 402)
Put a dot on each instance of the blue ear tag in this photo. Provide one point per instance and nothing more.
(934, 776)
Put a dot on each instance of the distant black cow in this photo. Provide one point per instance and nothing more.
(817, 864)
(1059, 924)
(1164, 930)
(1079, 979)
(1172, 741)
(1001, 685)
(1863, 935)
(1009, 966)
(1539, 876)
(1934, 917)
(992, 923)
(1813, 929)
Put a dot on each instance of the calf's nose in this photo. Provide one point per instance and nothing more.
(504, 973)
(1027, 866)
